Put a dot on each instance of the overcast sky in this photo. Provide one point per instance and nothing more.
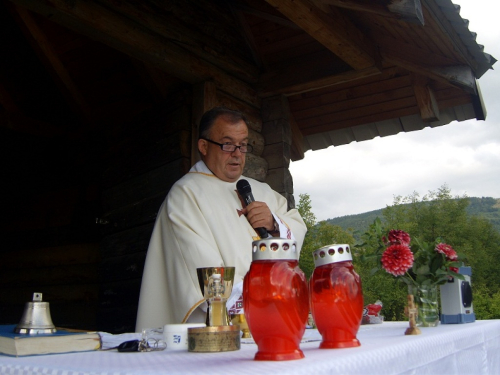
(365, 176)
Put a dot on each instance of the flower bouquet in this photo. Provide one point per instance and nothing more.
(422, 266)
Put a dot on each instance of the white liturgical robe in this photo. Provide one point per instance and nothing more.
(199, 225)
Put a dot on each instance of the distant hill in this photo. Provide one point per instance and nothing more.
(486, 207)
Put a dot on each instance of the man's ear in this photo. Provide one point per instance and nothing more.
(202, 146)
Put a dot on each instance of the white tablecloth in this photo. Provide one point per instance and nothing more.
(472, 348)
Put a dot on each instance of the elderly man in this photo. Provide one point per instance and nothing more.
(203, 223)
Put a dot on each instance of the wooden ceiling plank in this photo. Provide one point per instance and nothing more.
(460, 76)
(389, 79)
(413, 53)
(368, 118)
(98, 23)
(357, 112)
(198, 43)
(406, 10)
(50, 56)
(247, 34)
(332, 30)
(433, 12)
(265, 16)
(426, 100)
(294, 88)
(339, 101)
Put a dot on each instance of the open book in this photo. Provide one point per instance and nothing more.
(62, 341)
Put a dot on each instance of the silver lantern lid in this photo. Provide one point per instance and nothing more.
(274, 249)
(332, 254)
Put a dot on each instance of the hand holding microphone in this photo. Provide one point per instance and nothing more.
(258, 213)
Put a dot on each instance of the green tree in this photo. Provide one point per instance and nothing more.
(436, 215)
(318, 235)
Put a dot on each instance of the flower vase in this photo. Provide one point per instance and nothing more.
(426, 299)
(275, 300)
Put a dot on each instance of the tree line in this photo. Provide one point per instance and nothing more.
(436, 214)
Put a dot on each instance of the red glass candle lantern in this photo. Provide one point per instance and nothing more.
(275, 300)
(336, 298)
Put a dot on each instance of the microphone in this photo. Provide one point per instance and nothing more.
(245, 191)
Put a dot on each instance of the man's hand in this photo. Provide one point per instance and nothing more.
(259, 215)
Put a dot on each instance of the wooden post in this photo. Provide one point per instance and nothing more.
(276, 129)
(204, 98)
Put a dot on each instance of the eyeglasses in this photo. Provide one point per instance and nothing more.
(228, 147)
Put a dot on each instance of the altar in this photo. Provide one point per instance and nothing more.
(471, 348)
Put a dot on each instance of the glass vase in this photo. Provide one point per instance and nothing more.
(275, 300)
(426, 299)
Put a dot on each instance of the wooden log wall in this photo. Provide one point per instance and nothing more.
(140, 167)
(49, 237)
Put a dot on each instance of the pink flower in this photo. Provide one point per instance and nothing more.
(447, 250)
(398, 237)
(397, 259)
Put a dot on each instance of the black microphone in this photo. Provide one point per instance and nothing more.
(245, 191)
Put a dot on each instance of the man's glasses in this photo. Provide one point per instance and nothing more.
(228, 147)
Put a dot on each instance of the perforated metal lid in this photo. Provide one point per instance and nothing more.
(274, 248)
(332, 254)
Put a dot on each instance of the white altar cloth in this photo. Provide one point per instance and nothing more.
(472, 348)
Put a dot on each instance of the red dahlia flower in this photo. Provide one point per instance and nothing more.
(454, 269)
(397, 259)
(398, 237)
(447, 250)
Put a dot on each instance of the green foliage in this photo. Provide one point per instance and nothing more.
(438, 214)
(318, 235)
(486, 305)
(487, 208)
(468, 224)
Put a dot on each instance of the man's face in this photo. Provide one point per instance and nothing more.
(228, 166)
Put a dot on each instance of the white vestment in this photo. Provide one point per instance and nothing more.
(198, 225)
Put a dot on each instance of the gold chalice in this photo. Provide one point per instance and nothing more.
(239, 319)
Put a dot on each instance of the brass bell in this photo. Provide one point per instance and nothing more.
(36, 317)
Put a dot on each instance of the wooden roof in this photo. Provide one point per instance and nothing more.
(351, 69)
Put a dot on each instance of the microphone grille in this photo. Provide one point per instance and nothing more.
(243, 187)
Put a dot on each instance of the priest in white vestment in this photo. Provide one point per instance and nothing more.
(203, 223)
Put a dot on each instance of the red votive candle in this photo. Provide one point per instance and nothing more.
(336, 297)
(275, 300)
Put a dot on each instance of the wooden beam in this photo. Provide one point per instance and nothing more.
(426, 100)
(333, 30)
(63, 78)
(172, 28)
(204, 98)
(405, 10)
(460, 76)
(101, 24)
(297, 146)
(291, 81)
(265, 16)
